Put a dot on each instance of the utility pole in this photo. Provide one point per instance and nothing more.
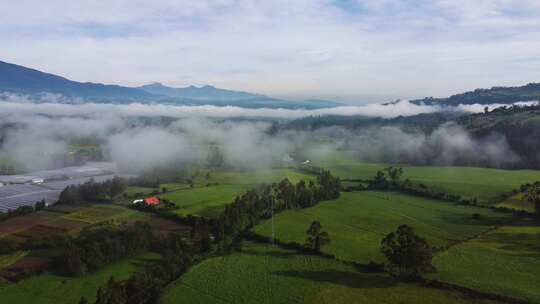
(272, 241)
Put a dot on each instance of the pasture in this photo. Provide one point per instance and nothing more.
(54, 289)
(517, 202)
(505, 261)
(358, 221)
(264, 274)
(209, 197)
(99, 213)
(485, 184)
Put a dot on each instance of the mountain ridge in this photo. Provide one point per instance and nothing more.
(23, 80)
(493, 95)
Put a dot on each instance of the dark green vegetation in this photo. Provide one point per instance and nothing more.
(209, 196)
(56, 289)
(265, 274)
(504, 95)
(505, 137)
(504, 261)
(358, 221)
(484, 184)
(408, 255)
(219, 257)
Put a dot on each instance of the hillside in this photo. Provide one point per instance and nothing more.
(501, 95)
(18, 79)
(206, 92)
(22, 80)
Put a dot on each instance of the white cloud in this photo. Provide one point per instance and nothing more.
(303, 48)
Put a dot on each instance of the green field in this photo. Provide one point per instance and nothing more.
(225, 186)
(99, 213)
(262, 274)
(8, 259)
(517, 202)
(505, 261)
(358, 221)
(53, 289)
(484, 184)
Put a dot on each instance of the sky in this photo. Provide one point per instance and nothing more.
(355, 51)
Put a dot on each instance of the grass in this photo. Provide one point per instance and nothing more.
(133, 191)
(224, 187)
(99, 213)
(206, 201)
(262, 274)
(482, 183)
(518, 202)
(53, 289)
(505, 261)
(358, 221)
(9, 259)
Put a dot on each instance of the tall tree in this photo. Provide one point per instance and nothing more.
(316, 237)
(117, 186)
(533, 196)
(408, 254)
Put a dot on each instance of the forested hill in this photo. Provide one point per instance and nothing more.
(501, 95)
(519, 125)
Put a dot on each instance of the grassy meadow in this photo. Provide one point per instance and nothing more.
(485, 184)
(264, 274)
(358, 221)
(209, 196)
(53, 289)
(505, 261)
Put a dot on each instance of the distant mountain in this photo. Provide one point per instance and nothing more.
(22, 80)
(18, 79)
(502, 95)
(200, 93)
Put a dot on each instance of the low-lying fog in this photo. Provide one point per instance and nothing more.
(139, 136)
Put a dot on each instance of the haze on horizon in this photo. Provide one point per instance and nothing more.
(346, 50)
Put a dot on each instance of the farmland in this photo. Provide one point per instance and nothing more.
(517, 202)
(504, 261)
(263, 274)
(358, 221)
(53, 289)
(257, 273)
(209, 196)
(485, 184)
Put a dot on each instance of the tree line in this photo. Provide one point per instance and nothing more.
(98, 246)
(248, 209)
(209, 235)
(93, 191)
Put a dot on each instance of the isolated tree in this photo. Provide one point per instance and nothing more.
(83, 300)
(533, 196)
(117, 186)
(408, 255)
(394, 173)
(215, 158)
(379, 181)
(316, 237)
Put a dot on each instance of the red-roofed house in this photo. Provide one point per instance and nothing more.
(151, 201)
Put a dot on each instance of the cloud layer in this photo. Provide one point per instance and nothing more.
(344, 49)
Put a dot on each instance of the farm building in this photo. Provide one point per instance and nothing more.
(151, 201)
(20, 179)
(148, 201)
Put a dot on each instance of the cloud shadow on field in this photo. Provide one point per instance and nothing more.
(345, 278)
(274, 254)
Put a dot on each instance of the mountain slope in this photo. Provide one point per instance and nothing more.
(501, 95)
(18, 79)
(22, 80)
(200, 93)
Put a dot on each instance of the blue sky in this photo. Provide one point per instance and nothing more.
(349, 50)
